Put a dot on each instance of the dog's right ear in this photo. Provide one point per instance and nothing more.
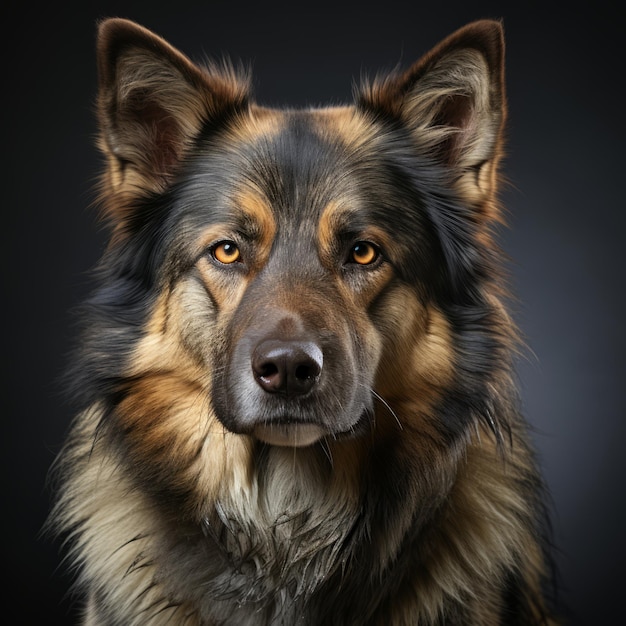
(152, 102)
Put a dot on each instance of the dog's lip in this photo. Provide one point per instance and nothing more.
(290, 434)
(301, 433)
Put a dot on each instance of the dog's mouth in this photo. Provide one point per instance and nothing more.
(300, 434)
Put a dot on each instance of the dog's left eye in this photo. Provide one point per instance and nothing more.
(364, 253)
(226, 252)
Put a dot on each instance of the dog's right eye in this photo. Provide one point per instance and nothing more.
(226, 252)
(364, 253)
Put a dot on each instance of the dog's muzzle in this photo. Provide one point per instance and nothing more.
(290, 384)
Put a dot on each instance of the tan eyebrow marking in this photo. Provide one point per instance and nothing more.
(254, 205)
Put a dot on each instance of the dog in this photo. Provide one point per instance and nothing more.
(294, 381)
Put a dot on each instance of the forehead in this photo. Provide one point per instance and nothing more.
(296, 162)
(305, 140)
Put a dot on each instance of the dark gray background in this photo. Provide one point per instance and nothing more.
(565, 198)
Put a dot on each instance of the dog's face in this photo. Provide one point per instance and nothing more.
(293, 261)
(290, 260)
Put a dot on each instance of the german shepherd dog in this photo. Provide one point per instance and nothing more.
(295, 387)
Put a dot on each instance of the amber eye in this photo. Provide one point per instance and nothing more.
(364, 253)
(226, 252)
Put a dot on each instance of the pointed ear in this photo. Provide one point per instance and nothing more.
(452, 101)
(152, 102)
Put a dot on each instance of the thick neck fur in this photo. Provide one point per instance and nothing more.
(296, 525)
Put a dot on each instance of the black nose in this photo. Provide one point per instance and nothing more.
(288, 367)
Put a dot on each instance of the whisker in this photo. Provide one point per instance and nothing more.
(388, 407)
(324, 445)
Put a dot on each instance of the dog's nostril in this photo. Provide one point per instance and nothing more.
(267, 370)
(305, 372)
(288, 367)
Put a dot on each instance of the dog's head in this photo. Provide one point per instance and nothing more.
(279, 270)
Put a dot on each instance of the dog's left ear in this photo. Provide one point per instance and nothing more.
(452, 100)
